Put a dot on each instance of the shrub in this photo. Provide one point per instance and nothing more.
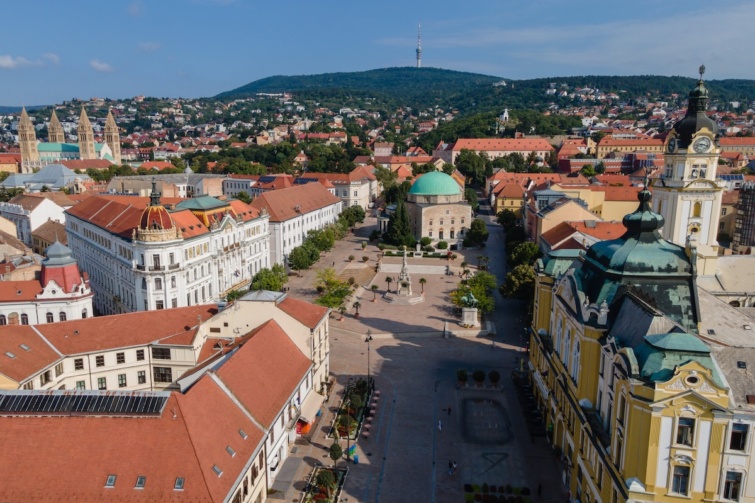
(352, 280)
(351, 258)
(494, 376)
(381, 246)
(364, 245)
(425, 241)
(442, 245)
(461, 375)
(469, 498)
(429, 249)
(365, 258)
(454, 256)
(478, 376)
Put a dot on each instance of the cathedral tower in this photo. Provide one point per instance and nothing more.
(86, 137)
(687, 194)
(55, 133)
(113, 138)
(27, 141)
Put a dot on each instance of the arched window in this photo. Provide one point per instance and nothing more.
(83, 314)
(697, 209)
(158, 284)
(559, 329)
(50, 318)
(3, 321)
(63, 316)
(172, 281)
(144, 283)
(24, 319)
(566, 348)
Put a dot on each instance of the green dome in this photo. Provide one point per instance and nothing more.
(435, 183)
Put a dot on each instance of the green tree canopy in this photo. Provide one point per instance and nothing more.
(506, 218)
(524, 253)
(477, 234)
(519, 283)
(399, 229)
(270, 279)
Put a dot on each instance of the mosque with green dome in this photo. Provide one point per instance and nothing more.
(437, 208)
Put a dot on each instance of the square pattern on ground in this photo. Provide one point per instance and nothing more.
(484, 422)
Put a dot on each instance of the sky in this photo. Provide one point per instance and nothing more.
(52, 51)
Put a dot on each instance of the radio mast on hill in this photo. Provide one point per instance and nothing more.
(419, 46)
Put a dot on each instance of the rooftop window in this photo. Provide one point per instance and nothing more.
(140, 481)
(179, 485)
(24, 347)
(230, 451)
(243, 434)
(217, 470)
(9, 354)
(110, 481)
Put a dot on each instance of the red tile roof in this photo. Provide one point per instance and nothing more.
(730, 141)
(175, 326)
(289, 203)
(602, 230)
(25, 363)
(503, 144)
(310, 315)
(264, 373)
(84, 164)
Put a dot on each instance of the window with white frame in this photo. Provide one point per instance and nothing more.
(685, 431)
(680, 480)
(738, 438)
(732, 485)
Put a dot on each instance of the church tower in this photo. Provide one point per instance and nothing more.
(687, 194)
(86, 137)
(113, 138)
(27, 141)
(55, 133)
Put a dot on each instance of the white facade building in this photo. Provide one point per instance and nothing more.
(294, 212)
(141, 258)
(28, 212)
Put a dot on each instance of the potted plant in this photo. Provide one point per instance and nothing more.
(422, 282)
(342, 310)
(494, 377)
(365, 258)
(364, 245)
(462, 377)
(356, 306)
(374, 289)
(479, 377)
(351, 258)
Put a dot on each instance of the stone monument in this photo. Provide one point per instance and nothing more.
(404, 280)
(469, 311)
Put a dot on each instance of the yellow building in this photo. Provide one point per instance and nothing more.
(638, 405)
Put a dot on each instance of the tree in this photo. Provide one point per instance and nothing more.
(389, 280)
(471, 196)
(300, 258)
(356, 305)
(422, 282)
(506, 219)
(270, 279)
(399, 229)
(519, 283)
(524, 253)
(374, 289)
(335, 452)
(588, 170)
(481, 285)
(477, 234)
(325, 478)
(244, 197)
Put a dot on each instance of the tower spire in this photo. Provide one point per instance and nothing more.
(419, 46)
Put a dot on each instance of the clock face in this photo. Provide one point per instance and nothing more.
(672, 145)
(702, 145)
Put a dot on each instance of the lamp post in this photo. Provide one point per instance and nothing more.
(367, 339)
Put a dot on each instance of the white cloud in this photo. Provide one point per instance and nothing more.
(101, 66)
(8, 62)
(52, 58)
(149, 46)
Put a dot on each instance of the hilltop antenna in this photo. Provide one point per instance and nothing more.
(419, 46)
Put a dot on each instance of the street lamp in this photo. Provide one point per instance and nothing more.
(367, 339)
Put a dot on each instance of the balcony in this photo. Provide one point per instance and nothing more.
(140, 267)
(157, 268)
(173, 267)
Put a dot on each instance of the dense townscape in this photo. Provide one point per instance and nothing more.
(268, 294)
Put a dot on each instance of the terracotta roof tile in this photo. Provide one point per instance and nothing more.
(503, 144)
(25, 363)
(264, 372)
(308, 314)
(15, 291)
(289, 203)
(168, 326)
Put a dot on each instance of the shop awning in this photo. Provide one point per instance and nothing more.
(311, 405)
(539, 381)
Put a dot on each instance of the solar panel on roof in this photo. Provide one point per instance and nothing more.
(67, 402)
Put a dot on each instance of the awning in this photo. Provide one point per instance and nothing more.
(310, 406)
(539, 381)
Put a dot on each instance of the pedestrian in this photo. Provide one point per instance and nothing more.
(454, 467)
(450, 467)
(334, 263)
(449, 410)
(440, 425)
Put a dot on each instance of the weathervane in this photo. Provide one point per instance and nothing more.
(702, 71)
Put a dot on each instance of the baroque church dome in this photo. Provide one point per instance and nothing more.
(696, 117)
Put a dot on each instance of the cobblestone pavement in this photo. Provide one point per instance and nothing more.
(414, 435)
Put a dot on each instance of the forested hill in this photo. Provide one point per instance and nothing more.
(473, 93)
(405, 83)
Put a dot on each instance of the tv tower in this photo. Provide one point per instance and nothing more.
(419, 46)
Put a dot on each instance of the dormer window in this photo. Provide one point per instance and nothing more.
(110, 482)
(179, 485)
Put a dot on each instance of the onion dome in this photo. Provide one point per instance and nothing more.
(155, 217)
(696, 117)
